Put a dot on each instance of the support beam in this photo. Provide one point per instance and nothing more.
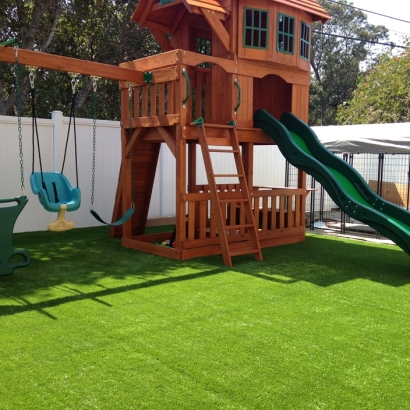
(161, 39)
(168, 138)
(74, 65)
(218, 27)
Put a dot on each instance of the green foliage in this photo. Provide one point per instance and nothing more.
(89, 324)
(335, 61)
(95, 30)
(382, 95)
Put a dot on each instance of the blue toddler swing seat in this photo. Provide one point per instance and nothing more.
(57, 191)
(53, 188)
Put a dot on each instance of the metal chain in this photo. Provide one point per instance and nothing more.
(95, 97)
(20, 136)
(130, 106)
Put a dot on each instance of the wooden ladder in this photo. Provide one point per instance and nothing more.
(230, 247)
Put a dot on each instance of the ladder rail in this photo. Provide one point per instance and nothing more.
(247, 222)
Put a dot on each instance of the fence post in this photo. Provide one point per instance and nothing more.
(408, 184)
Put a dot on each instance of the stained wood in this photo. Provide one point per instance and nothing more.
(67, 64)
(162, 40)
(218, 27)
(152, 248)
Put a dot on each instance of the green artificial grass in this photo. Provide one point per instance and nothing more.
(91, 325)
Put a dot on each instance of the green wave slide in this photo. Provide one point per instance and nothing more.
(301, 147)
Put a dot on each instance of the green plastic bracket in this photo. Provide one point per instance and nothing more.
(8, 217)
(188, 87)
(148, 77)
(198, 122)
(162, 2)
(232, 122)
(235, 110)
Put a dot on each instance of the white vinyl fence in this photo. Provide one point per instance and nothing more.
(269, 168)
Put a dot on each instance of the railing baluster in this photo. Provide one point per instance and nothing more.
(161, 99)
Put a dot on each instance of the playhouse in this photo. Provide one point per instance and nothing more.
(222, 60)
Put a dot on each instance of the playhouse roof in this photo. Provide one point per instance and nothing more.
(310, 6)
(165, 17)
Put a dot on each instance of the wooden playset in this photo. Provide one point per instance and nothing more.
(222, 60)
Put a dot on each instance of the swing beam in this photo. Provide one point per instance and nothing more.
(68, 64)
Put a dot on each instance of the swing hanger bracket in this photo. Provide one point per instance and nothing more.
(130, 88)
(73, 80)
(32, 75)
(95, 80)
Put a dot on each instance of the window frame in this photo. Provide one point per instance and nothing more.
(254, 29)
(205, 44)
(304, 43)
(287, 35)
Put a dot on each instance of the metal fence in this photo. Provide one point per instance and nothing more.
(387, 174)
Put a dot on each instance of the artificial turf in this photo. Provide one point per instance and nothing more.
(91, 325)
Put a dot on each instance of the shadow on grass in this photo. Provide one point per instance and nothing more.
(326, 261)
(87, 259)
(24, 305)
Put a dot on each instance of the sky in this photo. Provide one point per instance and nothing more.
(393, 8)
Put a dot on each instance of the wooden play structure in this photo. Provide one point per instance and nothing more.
(222, 60)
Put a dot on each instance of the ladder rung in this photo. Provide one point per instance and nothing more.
(228, 175)
(245, 251)
(224, 126)
(224, 151)
(218, 141)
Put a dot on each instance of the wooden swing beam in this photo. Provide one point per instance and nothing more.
(71, 65)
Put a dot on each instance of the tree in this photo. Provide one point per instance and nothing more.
(383, 94)
(95, 30)
(336, 62)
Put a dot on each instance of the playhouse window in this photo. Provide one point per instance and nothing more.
(286, 34)
(304, 40)
(255, 28)
(204, 46)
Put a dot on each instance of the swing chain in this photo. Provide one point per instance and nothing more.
(20, 136)
(130, 109)
(94, 80)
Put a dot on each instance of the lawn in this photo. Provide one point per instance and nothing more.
(88, 324)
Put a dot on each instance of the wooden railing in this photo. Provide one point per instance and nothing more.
(154, 103)
(159, 104)
(276, 210)
(166, 92)
(200, 103)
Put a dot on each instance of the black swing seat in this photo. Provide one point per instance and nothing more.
(55, 192)
(8, 217)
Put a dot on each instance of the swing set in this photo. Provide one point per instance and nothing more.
(53, 189)
(221, 61)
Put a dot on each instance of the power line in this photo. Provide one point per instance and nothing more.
(360, 39)
(368, 11)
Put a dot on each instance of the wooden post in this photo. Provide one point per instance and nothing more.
(181, 93)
